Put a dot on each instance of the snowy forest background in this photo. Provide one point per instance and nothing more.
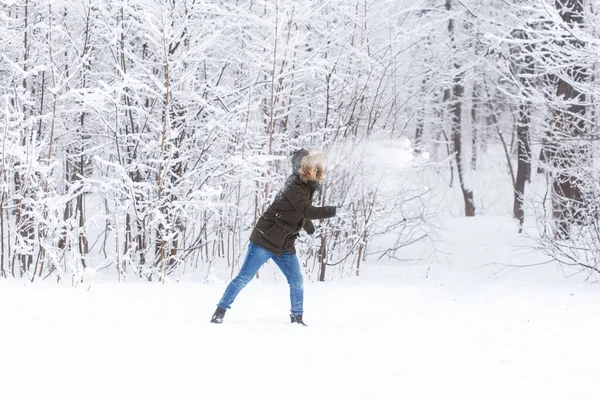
(143, 138)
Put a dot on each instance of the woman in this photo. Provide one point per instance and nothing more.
(276, 231)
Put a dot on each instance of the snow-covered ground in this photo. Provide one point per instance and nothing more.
(461, 327)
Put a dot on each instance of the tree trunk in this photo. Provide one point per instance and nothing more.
(523, 141)
(161, 246)
(323, 258)
(524, 163)
(568, 123)
(420, 121)
(456, 111)
(476, 99)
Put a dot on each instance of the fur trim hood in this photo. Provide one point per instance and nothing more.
(304, 160)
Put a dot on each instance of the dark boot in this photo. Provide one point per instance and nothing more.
(217, 317)
(297, 319)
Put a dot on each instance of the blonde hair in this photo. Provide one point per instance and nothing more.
(316, 159)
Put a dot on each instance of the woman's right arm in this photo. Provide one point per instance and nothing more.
(298, 198)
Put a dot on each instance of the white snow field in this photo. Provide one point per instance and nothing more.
(456, 328)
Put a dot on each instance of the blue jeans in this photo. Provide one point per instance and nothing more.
(255, 258)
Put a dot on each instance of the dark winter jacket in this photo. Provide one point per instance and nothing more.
(292, 210)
